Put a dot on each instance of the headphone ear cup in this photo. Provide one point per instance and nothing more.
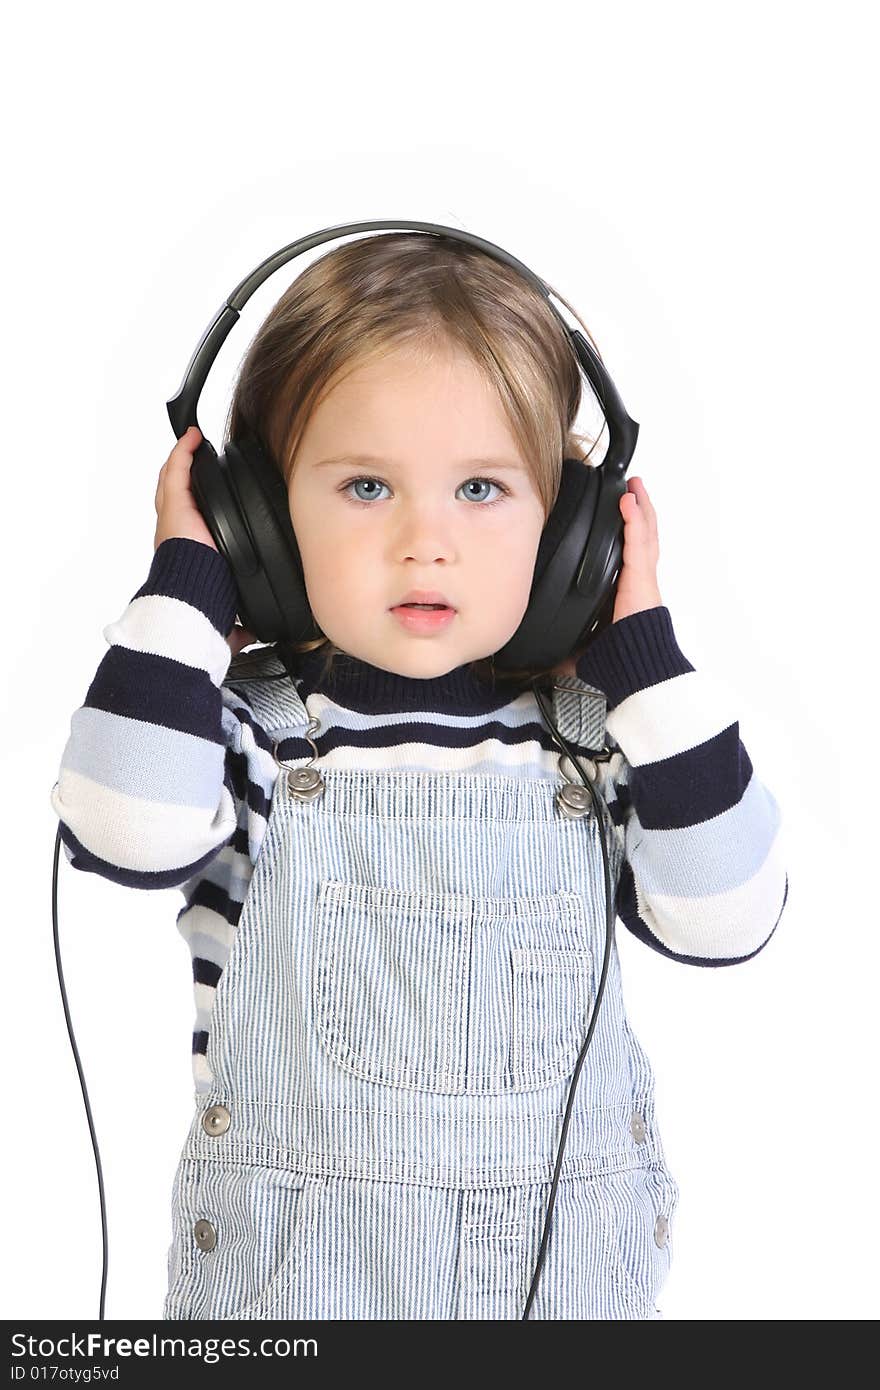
(574, 483)
(243, 500)
(557, 615)
(275, 605)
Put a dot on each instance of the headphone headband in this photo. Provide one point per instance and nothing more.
(182, 405)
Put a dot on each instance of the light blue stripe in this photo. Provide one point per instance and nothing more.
(721, 854)
(143, 760)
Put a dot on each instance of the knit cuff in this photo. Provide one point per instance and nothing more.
(197, 574)
(635, 652)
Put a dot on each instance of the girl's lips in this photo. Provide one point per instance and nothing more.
(425, 620)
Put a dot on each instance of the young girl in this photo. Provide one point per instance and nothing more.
(395, 959)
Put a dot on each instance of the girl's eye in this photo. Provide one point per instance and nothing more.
(364, 502)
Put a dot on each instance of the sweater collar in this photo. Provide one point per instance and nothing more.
(373, 690)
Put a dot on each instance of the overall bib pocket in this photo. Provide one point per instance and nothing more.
(443, 993)
(550, 1014)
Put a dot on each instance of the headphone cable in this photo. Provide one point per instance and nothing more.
(82, 1080)
(609, 936)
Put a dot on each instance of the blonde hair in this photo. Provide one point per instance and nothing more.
(422, 292)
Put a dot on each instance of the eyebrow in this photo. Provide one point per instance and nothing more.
(357, 460)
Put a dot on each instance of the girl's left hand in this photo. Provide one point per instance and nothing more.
(637, 586)
(637, 582)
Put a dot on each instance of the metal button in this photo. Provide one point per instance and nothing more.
(661, 1231)
(573, 801)
(216, 1120)
(206, 1236)
(638, 1127)
(305, 783)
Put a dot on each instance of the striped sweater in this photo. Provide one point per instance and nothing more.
(168, 774)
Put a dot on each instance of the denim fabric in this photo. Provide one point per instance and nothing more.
(393, 1036)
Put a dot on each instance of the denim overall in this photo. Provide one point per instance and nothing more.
(392, 1043)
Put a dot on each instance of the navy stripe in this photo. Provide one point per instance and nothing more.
(693, 786)
(215, 897)
(205, 972)
(438, 735)
(140, 685)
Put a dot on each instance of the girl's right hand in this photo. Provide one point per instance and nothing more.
(176, 509)
(178, 515)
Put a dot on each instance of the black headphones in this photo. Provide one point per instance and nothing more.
(243, 500)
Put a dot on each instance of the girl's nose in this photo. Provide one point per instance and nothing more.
(425, 532)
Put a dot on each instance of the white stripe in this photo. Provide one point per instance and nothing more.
(161, 626)
(671, 716)
(427, 756)
(130, 833)
(726, 924)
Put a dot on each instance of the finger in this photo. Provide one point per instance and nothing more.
(641, 493)
(629, 506)
(185, 447)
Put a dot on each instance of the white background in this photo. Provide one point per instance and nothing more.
(699, 182)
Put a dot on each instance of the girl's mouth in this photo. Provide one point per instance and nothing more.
(425, 618)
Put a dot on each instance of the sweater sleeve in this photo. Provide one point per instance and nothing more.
(703, 878)
(150, 783)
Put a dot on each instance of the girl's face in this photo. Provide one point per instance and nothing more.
(445, 503)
